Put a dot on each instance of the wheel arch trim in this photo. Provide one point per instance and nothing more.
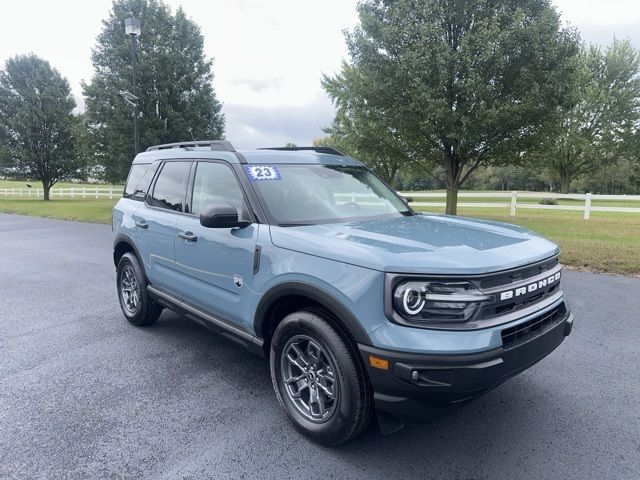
(303, 289)
(124, 238)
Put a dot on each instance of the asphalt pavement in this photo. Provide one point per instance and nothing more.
(85, 395)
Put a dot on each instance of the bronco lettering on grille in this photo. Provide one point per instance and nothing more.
(532, 287)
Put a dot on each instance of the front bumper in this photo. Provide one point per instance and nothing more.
(422, 386)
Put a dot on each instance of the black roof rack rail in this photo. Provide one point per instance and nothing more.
(217, 145)
(329, 150)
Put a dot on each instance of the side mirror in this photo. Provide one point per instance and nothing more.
(407, 200)
(221, 215)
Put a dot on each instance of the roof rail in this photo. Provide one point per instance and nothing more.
(218, 145)
(329, 150)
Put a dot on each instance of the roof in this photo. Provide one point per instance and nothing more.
(180, 153)
(297, 156)
(251, 156)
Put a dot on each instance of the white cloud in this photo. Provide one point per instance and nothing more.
(599, 12)
(604, 34)
(291, 40)
(269, 56)
(255, 126)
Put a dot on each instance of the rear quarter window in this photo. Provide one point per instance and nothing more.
(140, 177)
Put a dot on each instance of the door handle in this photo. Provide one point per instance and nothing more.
(188, 236)
(142, 224)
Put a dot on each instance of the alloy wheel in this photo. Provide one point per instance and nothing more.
(309, 376)
(129, 290)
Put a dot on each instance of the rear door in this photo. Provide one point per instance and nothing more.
(216, 264)
(156, 222)
(135, 191)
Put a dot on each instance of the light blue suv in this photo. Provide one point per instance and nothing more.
(360, 303)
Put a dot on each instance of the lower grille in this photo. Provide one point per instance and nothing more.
(514, 336)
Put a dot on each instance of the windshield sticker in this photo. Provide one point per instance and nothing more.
(262, 172)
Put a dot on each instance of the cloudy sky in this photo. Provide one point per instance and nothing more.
(269, 55)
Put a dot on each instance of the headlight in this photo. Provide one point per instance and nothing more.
(437, 302)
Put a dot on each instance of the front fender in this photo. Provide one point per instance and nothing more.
(311, 291)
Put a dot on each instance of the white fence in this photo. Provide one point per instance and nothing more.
(72, 192)
(511, 201)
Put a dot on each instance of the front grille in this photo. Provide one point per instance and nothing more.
(516, 275)
(493, 310)
(514, 336)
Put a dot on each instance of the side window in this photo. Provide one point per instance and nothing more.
(170, 186)
(139, 180)
(135, 175)
(215, 182)
(140, 192)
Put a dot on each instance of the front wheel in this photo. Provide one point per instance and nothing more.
(318, 380)
(136, 304)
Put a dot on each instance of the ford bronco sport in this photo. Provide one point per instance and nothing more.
(360, 303)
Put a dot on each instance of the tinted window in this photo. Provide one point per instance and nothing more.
(135, 175)
(144, 183)
(169, 188)
(215, 182)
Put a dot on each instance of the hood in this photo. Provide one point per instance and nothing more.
(435, 244)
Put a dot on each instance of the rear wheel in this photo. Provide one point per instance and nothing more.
(317, 379)
(135, 302)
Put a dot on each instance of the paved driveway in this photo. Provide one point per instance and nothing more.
(85, 395)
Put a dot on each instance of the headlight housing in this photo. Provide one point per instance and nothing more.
(437, 302)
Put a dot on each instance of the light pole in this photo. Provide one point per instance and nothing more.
(132, 28)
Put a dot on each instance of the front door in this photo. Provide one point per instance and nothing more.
(216, 263)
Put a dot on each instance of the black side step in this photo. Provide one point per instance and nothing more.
(207, 320)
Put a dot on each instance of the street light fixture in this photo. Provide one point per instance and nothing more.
(130, 98)
(132, 28)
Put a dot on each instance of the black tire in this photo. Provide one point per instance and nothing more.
(351, 406)
(146, 311)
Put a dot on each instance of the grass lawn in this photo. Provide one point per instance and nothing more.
(608, 242)
(87, 210)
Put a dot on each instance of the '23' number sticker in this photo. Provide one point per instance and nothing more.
(262, 172)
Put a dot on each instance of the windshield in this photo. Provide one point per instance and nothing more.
(301, 194)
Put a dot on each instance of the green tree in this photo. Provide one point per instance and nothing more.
(83, 143)
(455, 83)
(174, 84)
(363, 127)
(613, 179)
(36, 123)
(634, 159)
(594, 131)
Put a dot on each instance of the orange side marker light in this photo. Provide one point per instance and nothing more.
(377, 362)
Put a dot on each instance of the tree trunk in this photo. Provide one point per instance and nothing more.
(565, 182)
(46, 188)
(392, 178)
(452, 181)
(452, 200)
